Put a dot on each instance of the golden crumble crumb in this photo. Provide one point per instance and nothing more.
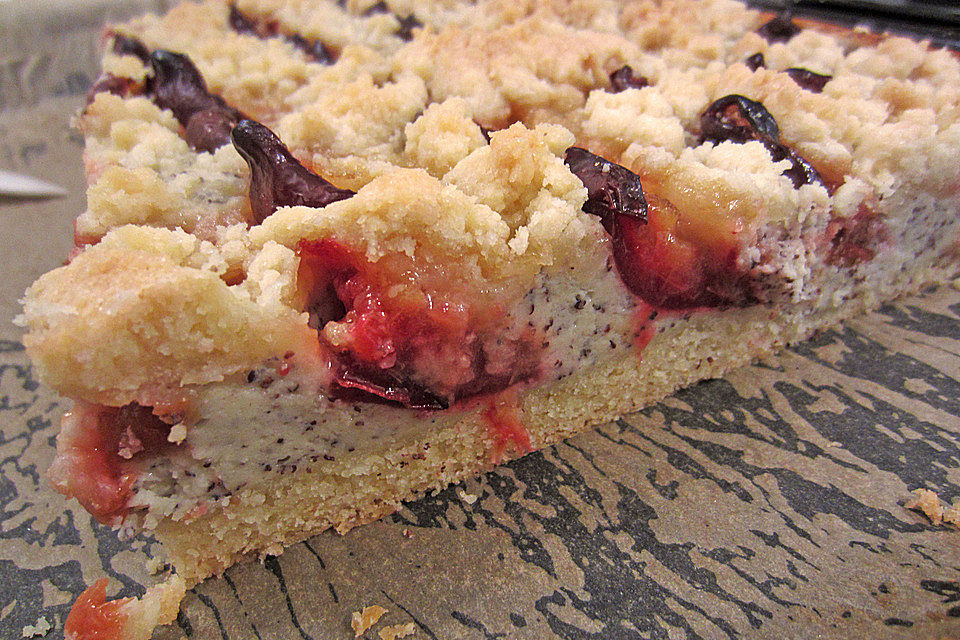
(929, 503)
(397, 631)
(43, 626)
(155, 566)
(363, 620)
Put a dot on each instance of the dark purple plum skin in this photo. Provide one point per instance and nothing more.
(807, 79)
(407, 23)
(316, 50)
(355, 382)
(624, 78)
(611, 188)
(756, 61)
(124, 45)
(277, 178)
(178, 85)
(642, 251)
(739, 119)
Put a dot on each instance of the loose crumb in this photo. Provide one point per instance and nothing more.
(178, 433)
(397, 631)
(363, 620)
(951, 515)
(155, 566)
(929, 503)
(43, 626)
(469, 498)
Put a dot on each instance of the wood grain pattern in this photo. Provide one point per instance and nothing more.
(766, 504)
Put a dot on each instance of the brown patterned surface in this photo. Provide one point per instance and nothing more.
(768, 504)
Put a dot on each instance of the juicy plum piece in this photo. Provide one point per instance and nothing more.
(611, 188)
(93, 617)
(756, 61)
(669, 271)
(95, 454)
(178, 85)
(780, 29)
(623, 79)
(382, 342)
(277, 178)
(654, 260)
(809, 80)
(654, 263)
(739, 119)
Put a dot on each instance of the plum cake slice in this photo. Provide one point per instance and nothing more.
(337, 254)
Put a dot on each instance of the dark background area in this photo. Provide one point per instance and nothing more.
(938, 20)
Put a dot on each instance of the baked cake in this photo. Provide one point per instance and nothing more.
(337, 254)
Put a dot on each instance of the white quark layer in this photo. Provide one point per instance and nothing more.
(263, 423)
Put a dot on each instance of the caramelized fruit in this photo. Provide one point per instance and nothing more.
(655, 259)
(177, 85)
(780, 29)
(277, 179)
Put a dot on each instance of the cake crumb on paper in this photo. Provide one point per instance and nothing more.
(951, 515)
(928, 502)
(363, 620)
(155, 566)
(397, 631)
(178, 433)
(469, 498)
(43, 626)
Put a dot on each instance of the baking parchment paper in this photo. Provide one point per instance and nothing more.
(769, 504)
